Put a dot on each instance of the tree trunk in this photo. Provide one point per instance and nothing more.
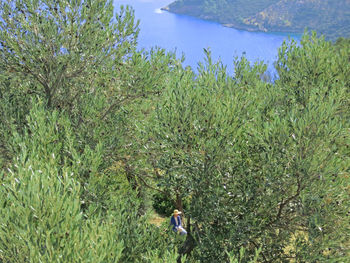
(178, 203)
(189, 244)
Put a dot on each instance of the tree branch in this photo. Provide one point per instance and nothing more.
(287, 201)
(151, 187)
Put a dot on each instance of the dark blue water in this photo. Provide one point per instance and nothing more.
(190, 35)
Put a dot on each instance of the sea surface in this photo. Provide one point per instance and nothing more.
(189, 36)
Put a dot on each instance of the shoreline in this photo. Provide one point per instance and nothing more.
(233, 25)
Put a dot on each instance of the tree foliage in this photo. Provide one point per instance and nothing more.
(91, 129)
(262, 163)
(56, 44)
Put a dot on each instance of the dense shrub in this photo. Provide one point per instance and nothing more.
(264, 163)
(163, 204)
(41, 217)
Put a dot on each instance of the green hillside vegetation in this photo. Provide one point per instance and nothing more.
(96, 135)
(226, 11)
(328, 17)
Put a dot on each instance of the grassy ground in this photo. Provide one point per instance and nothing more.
(156, 219)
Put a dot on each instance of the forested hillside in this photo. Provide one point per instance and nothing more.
(96, 136)
(327, 17)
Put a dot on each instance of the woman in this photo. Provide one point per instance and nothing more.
(176, 222)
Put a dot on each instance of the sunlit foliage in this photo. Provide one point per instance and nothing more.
(91, 129)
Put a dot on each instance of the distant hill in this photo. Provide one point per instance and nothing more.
(328, 17)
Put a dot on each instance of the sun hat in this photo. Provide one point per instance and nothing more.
(177, 212)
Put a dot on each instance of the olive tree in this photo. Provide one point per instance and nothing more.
(45, 215)
(314, 80)
(264, 165)
(69, 54)
(60, 46)
(196, 130)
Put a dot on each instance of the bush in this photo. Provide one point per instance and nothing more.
(261, 161)
(163, 204)
(40, 205)
(47, 215)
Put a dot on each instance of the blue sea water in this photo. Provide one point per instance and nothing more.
(189, 35)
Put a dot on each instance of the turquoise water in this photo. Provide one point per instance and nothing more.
(190, 35)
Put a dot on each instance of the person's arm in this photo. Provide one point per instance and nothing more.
(179, 218)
